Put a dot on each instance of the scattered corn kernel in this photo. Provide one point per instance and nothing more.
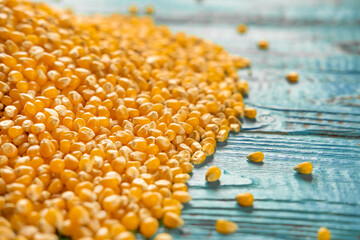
(149, 10)
(213, 174)
(250, 113)
(256, 157)
(304, 168)
(225, 227)
(263, 44)
(292, 77)
(241, 28)
(133, 10)
(245, 199)
(324, 234)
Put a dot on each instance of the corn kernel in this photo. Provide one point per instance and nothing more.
(304, 168)
(256, 157)
(163, 236)
(250, 113)
(172, 220)
(263, 44)
(213, 174)
(324, 234)
(149, 226)
(241, 28)
(149, 10)
(225, 227)
(292, 77)
(245, 199)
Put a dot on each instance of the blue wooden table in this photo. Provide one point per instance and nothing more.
(316, 120)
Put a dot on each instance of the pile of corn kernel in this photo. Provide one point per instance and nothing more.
(103, 119)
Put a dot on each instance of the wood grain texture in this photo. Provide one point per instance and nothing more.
(316, 120)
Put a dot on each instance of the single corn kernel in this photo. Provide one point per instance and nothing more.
(131, 221)
(304, 168)
(198, 157)
(292, 77)
(172, 220)
(225, 227)
(149, 10)
(324, 234)
(213, 174)
(222, 135)
(133, 10)
(263, 44)
(163, 236)
(47, 148)
(256, 157)
(250, 113)
(241, 28)
(245, 199)
(149, 226)
(182, 196)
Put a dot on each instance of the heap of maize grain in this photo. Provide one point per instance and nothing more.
(102, 119)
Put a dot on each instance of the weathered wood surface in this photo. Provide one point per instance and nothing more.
(316, 120)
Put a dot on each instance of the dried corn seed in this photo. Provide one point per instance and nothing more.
(133, 10)
(263, 44)
(241, 28)
(250, 113)
(292, 77)
(225, 227)
(172, 220)
(256, 157)
(163, 236)
(304, 168)
(245, 199)
(213, 174)
(324, 234)
(149, 10)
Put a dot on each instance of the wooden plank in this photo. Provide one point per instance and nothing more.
(316, 120)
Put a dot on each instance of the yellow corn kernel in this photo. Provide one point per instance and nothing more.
(15, 131)
(213, 174)
(163, 236)
(125, 236)
(149, 226)
(78, 215)
(250, 113)
(222, 135)
(10, 111)
(182, 196)
(15, 77)
(198, 157)
(304, 168)
(9, 150)
(225, 227)
(24, 206)
(245, 199)
(47, 148)
(263, 44)
(133, 10)
(256, 157)
(149, 10)
(86, 134)
(131, 221)
(57, 165)
(172, 220)
(241, 28)
(292, 77)
(324, 234)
